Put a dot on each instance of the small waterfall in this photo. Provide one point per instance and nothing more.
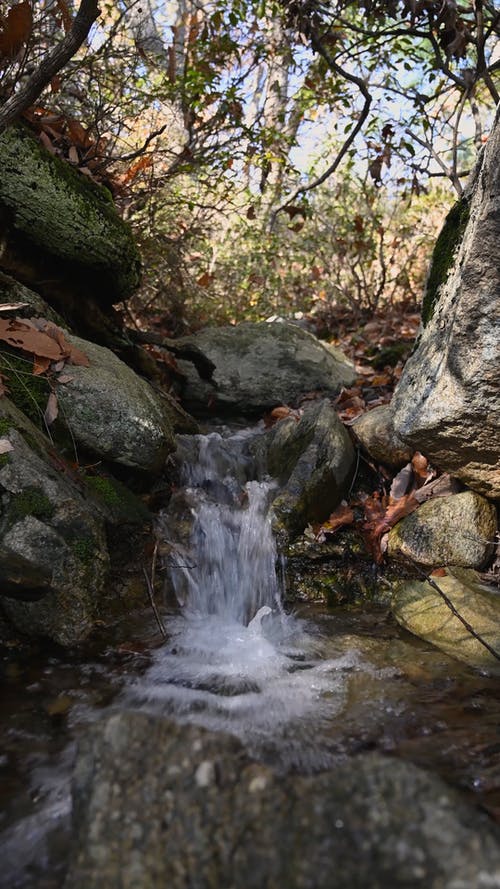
(234, 660)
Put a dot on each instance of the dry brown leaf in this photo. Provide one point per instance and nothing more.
(341, 516)
(21, 335)
(65, 378)
(401, 482)
(40, 365)
(420, 466)
(5, 446)
(439, 572)
(52, 409)
(16, 28)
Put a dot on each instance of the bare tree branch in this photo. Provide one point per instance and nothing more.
(318, 46)
(53, 62)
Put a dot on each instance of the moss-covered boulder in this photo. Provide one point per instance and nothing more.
(313, 460)
(447, 403)
(53, 554)
(29, 304)
(455, 530)
(54, 221)
(419, 608)
(259, 366)
(115, 414)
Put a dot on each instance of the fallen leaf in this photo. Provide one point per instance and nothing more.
(341, 516)
(5, 446)
(52, 409)
(65, 378)
(401, 482)
(9, 307)
(438, 487)
(15, 30)
(40, 365)
(439, 572)
(21, 335)
(420, 466)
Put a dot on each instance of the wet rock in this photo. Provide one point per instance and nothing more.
(419, 608)
(446, 403)
(53, 554)
(313, 460)
(375, 430)
(115, 414)
(156, 805)
(455, 530)
(259, 366)
(59, 225)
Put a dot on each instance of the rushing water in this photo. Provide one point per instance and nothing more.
(235, 661)
(299, 692)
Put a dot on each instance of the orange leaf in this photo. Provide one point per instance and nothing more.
(16, 29)
(341, 516)
(439, 572)
(40, 365)
(142, 164)
(22, 335)
(204, 279)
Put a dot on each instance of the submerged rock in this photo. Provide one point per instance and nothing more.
(375, 430)
(447, 402)
(114, 413)
(53, 554)
(419, 608)
(313, 460)
(456, 530)
(157, 804)
(261, 365)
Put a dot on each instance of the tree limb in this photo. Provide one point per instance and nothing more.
(318, 46)
(53, 62)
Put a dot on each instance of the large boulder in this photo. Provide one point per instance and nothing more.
(420, 608)
(53, 555)
(56, 223)
(447, 402)
(313, 460)
(456, 530)
(114, 413)
(157, 804)
(259, 366)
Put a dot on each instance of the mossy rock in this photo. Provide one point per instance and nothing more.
(55, 215)
(119, 504)
(448, 241)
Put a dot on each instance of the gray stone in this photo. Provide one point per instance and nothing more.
(447, 402)
(375, 430)
(114, 413)
(58, 223)
(419, 608)
(259, 366)
(456, 530)
(32, 304)
(53, 554)
(313, 459)
(157, 805)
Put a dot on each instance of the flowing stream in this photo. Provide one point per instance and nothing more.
(300, 690)
(235, 661)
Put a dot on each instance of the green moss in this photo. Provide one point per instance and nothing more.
(64, 214)
(4, 460)
(443, 255)
(5, 425)
(122, 505)
(31, 501)
(84, 549)
(29, 393)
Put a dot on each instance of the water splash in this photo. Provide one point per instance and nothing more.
(235, 661)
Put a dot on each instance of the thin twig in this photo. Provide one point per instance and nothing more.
(470, 629)
(156, 613)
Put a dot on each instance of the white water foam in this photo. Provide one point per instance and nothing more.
(235, 661)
